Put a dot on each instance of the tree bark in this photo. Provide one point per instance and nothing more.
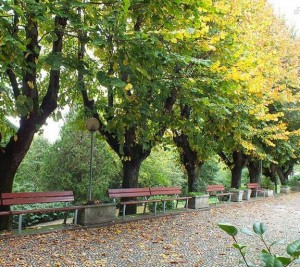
(239, 161)
(130, 177)
(284, 172)
(189, 158)
(254, 171)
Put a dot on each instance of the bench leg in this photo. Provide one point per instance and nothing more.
(164, 207)
(187, 204)
(176, 204)
(229, 199)
(155, 207)
(20, 223)
(124, 211)
(75, 217)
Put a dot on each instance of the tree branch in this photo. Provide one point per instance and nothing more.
(13, 82)
(49, 103)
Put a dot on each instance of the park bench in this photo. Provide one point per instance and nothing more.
(218, 191)
(255, 187)
(141, 196)
(22, 198)
(147, 195)
(172, 191)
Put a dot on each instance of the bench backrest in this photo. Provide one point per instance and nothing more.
(253, 186)
(128, 192)
(215, 187)
(7, 199)
(171, 190)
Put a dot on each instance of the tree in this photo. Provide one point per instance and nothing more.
(31, 36)
(66, 165)
(138, 54)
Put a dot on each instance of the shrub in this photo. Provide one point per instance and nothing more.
(267, 183)
(294, 181)
(169, 206)
(31, 219)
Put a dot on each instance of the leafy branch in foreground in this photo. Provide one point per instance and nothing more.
(268, 258)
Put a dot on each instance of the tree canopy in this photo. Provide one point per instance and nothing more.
(216, 77)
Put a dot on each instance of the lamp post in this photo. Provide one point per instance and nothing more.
(92, 124)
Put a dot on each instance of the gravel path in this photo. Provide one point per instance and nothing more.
(189, 239)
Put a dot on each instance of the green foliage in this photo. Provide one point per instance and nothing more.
(169, 205)
(268, 258)
(67, 165)
(31, 219)
(267, 183)
(161, 169)
(29, 176)
(196, 194)
(294, 181)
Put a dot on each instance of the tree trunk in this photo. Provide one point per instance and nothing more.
(130, 179)
(189, 158)
(132, 160)
(193, 175)
(254, 171)
(284, 172)
(10, 159)
(239, 160)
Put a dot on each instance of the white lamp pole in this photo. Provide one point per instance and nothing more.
(92, 124)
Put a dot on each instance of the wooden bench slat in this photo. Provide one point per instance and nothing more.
(128, 192)
(32, 200)
(36, 194)
(165, 190)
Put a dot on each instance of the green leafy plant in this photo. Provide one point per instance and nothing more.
(268, 258)
(267, 183)
(170, 205)
(196, 194)
(294, 181)
(31, 219)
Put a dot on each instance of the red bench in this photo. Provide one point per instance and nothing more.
(218, 190)
(256, 188)
(21, 198)
(145, 195)
(173, 191)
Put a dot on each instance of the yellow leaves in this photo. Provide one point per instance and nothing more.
(128, 86)
(268, 116)
(216, 67)
(247, 145)
(100, 53)
(125, 61)
(30, 84)
(234, 75)
(179, 35)
(15, 138)
(173, 40)
(115, 66)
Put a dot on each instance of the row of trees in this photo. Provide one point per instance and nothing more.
(211, 76)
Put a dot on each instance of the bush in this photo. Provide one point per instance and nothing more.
(267, 183)
(295, 181)
(31, 219)
(169, 205)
